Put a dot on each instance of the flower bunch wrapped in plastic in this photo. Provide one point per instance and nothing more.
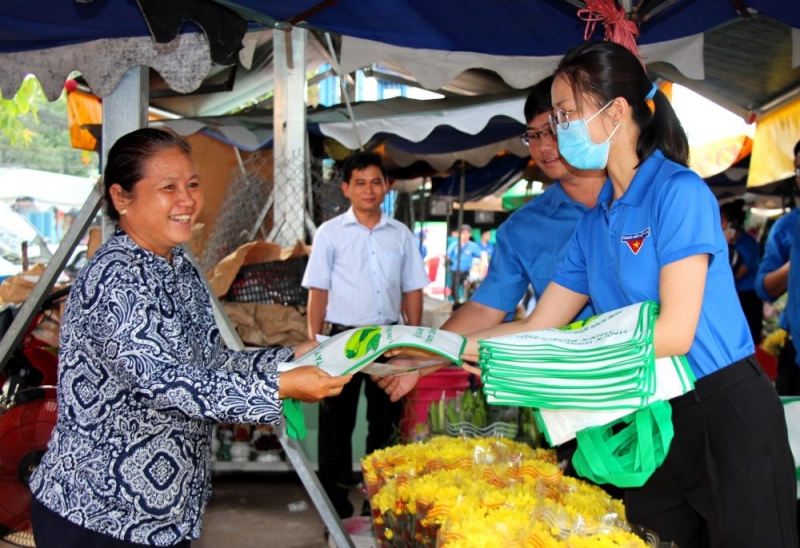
(488, 492)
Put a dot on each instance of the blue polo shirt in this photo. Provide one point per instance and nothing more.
(750, 252)
(469, 251)
(488, 248)
(529, 246)
(667, 214)
(792, 310)
(776, 253)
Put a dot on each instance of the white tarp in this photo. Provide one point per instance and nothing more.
(47, 189)
(435, 68)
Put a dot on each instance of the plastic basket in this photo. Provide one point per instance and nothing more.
(276, 282)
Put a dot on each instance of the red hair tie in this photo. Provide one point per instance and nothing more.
(619, 29)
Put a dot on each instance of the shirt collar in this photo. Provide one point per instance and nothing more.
(639, 185)
(178, 256)
(350, 219)
(641, 181)
(606, 194)
(559, 197)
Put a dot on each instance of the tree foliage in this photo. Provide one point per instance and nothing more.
(13, 110)
(34, 134)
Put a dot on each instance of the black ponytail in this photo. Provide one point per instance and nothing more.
(663, 131)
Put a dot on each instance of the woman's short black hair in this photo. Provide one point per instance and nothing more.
(128, 157)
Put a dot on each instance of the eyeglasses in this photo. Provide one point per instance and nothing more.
(561, 119)
(797, 172)
(536, 136)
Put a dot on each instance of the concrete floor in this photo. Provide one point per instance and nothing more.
(251, 510)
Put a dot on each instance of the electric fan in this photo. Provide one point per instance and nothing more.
(26, 423)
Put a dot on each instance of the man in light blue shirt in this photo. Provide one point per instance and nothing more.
(365, 269)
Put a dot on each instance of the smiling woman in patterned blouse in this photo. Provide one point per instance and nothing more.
(142, 371)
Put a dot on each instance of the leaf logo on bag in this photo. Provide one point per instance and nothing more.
(574, 326)
(363, 341)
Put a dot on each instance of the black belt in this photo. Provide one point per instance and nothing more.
(719, 381)
(337, 328)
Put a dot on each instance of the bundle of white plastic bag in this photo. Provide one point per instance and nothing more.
(586, 374)
(358, 349)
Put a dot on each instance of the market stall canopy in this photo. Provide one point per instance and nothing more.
(744, 55)
(435, 41)
(438, 132)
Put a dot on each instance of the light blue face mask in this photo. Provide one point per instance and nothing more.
(577, 148)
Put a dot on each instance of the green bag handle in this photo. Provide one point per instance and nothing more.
(629, 457)
(295, 419)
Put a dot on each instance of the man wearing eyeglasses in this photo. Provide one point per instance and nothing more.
(531, 243)
(771, 283)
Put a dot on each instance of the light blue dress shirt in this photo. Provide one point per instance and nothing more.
(364, 271)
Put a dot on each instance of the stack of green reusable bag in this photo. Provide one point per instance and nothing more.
(584, 375)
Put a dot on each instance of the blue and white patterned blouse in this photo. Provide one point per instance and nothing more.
(142, 377)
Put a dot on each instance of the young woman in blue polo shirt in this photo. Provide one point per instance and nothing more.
(728, 479)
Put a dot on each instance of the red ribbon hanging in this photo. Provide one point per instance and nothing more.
(619, 29)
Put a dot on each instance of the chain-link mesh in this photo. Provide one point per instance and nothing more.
(328, 201)
(269, 201)
(248, 195)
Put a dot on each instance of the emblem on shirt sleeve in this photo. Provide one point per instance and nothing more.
(636, 241)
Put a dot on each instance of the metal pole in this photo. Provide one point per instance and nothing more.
(293, 450)
(55, 266)
(461, 199)
(343, 86)
(290, 136)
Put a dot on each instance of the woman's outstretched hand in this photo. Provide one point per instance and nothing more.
(409, 352)
(310, 384)
(397, 386)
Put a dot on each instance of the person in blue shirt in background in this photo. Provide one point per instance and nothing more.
(728, 478)
(792, 311)
(420, 236)
(745, 256)
(771, 283)
(460, 256)
(486, 244)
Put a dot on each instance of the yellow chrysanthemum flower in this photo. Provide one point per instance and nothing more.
(488, 492)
